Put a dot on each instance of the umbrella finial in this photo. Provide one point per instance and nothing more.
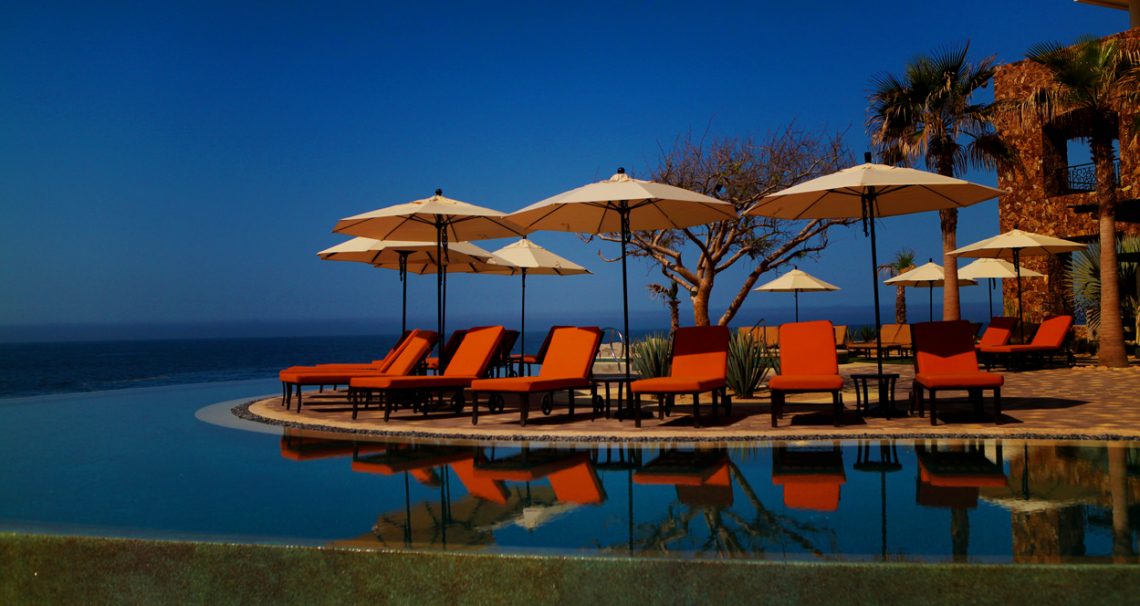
(621, 170)
(867, 157)
(438, 191)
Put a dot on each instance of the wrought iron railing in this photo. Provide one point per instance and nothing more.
(1082, 177)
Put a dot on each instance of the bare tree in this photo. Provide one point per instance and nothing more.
(740, 171)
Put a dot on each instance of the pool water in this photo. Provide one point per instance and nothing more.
(173, 463)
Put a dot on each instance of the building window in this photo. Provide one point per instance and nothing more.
(1067, 158)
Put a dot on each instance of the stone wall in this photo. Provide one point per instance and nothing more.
(1033, 204)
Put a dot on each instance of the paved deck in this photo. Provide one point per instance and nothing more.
(1084, 402)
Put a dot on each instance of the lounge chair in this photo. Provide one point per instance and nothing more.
(566, 367)
(469, 363)
(808, 364)
(529, 360)
(812, 479)
(702, 477)
(409, 355)
(502, 360)
(998, 332)
(377, 365)
(1048, 341)
(945, 360)
(700, 364)
(953, 478)
(432, 363)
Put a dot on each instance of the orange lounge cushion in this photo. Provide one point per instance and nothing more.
(484, 488)
(410, 382)
(578, 484)
(676, 384)
(805, 383)
(528, 384)
(1011, 349)
(963, 380)
(815, 492)
(330, 377)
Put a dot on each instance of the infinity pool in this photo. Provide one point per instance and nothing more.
(173, 463)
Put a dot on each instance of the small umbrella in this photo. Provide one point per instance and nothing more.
(1012, 245)
(417, 257)
(994, 269)
(622, 204)
(436, 219)
(930, 276)
(797, 281)
(531, 258)
(868, 191)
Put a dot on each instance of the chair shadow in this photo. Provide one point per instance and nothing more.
(822, 418)
(1029, 403)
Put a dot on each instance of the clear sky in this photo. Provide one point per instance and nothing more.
(181, 163)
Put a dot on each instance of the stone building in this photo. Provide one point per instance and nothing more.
(1051, 192)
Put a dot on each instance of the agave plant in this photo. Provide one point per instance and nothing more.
(748, 363)
(1084, 267)
(650, 355)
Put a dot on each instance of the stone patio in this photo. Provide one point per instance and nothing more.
(1084, 402)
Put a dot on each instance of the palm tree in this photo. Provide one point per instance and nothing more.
(902, 262)
(1089, 82)
(928, 113)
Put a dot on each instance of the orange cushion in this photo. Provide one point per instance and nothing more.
(944, 348)
(962, 380)
(998, 332)
(474, 352)
(808, 348)
(676, 384)
(700, 351)
(528, 384)
(578, 484)
(410, 382)
(805, 383)
(484, 488)
(816, 492)
(1051, 333)
(571, 352)
(328, 377)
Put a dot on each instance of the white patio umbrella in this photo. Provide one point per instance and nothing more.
(994, 269)
(417, 257)
(1014, 244)
(869, 191)
(622, 204)
(930, 275)
(797, 281)
(531, 258)
(436, 219)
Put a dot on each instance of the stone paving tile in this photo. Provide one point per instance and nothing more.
(1084, 402)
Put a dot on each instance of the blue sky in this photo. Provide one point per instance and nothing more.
(181, 163)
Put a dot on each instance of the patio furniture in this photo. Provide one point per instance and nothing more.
(1048, 341)
(808, 364)
(895, 337)
(502, 359)
(566, 367)
(811, 478)
(885, 381)
(700, 364)
(469, 363)
(952, 478)
(448, 350)
(999, 332)
(945, 361)
(410, 354)
(527, 360)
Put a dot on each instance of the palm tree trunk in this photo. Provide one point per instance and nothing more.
(951, 307)
(1111, 345)
(900, 305)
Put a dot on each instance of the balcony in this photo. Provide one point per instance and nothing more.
(1082, 177)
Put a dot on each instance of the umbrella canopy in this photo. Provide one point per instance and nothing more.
(868, 191)
(531, 258)
(416, 257)
(929, 275)
(1012, 245)
(797, 281)
(622, 204)
(436, 219)
(998, 269)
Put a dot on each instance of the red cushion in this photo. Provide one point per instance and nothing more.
(528, 384)
(808, 348)
(963, 380)
(676, 384)
(805, 383)
(327, 377)
(410, 382)
(700, 351)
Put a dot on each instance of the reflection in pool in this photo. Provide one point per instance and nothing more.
(869, 500)
(137, 463)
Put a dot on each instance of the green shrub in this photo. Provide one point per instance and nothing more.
(650, 356)
(748, 363)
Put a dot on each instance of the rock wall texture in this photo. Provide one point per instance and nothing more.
(1038, 200)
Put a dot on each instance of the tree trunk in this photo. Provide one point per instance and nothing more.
(1111, 335)
(948, 218)
(951, 307)
(700, 300)
(900, 305)
(674, 309)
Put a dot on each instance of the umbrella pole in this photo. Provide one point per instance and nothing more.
(991, 293)
(797, 292)
(869, 216)
(623, 211)
(522, 326)
(932, 301)
(1020, 318)
(440, 268)
(404, 280)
